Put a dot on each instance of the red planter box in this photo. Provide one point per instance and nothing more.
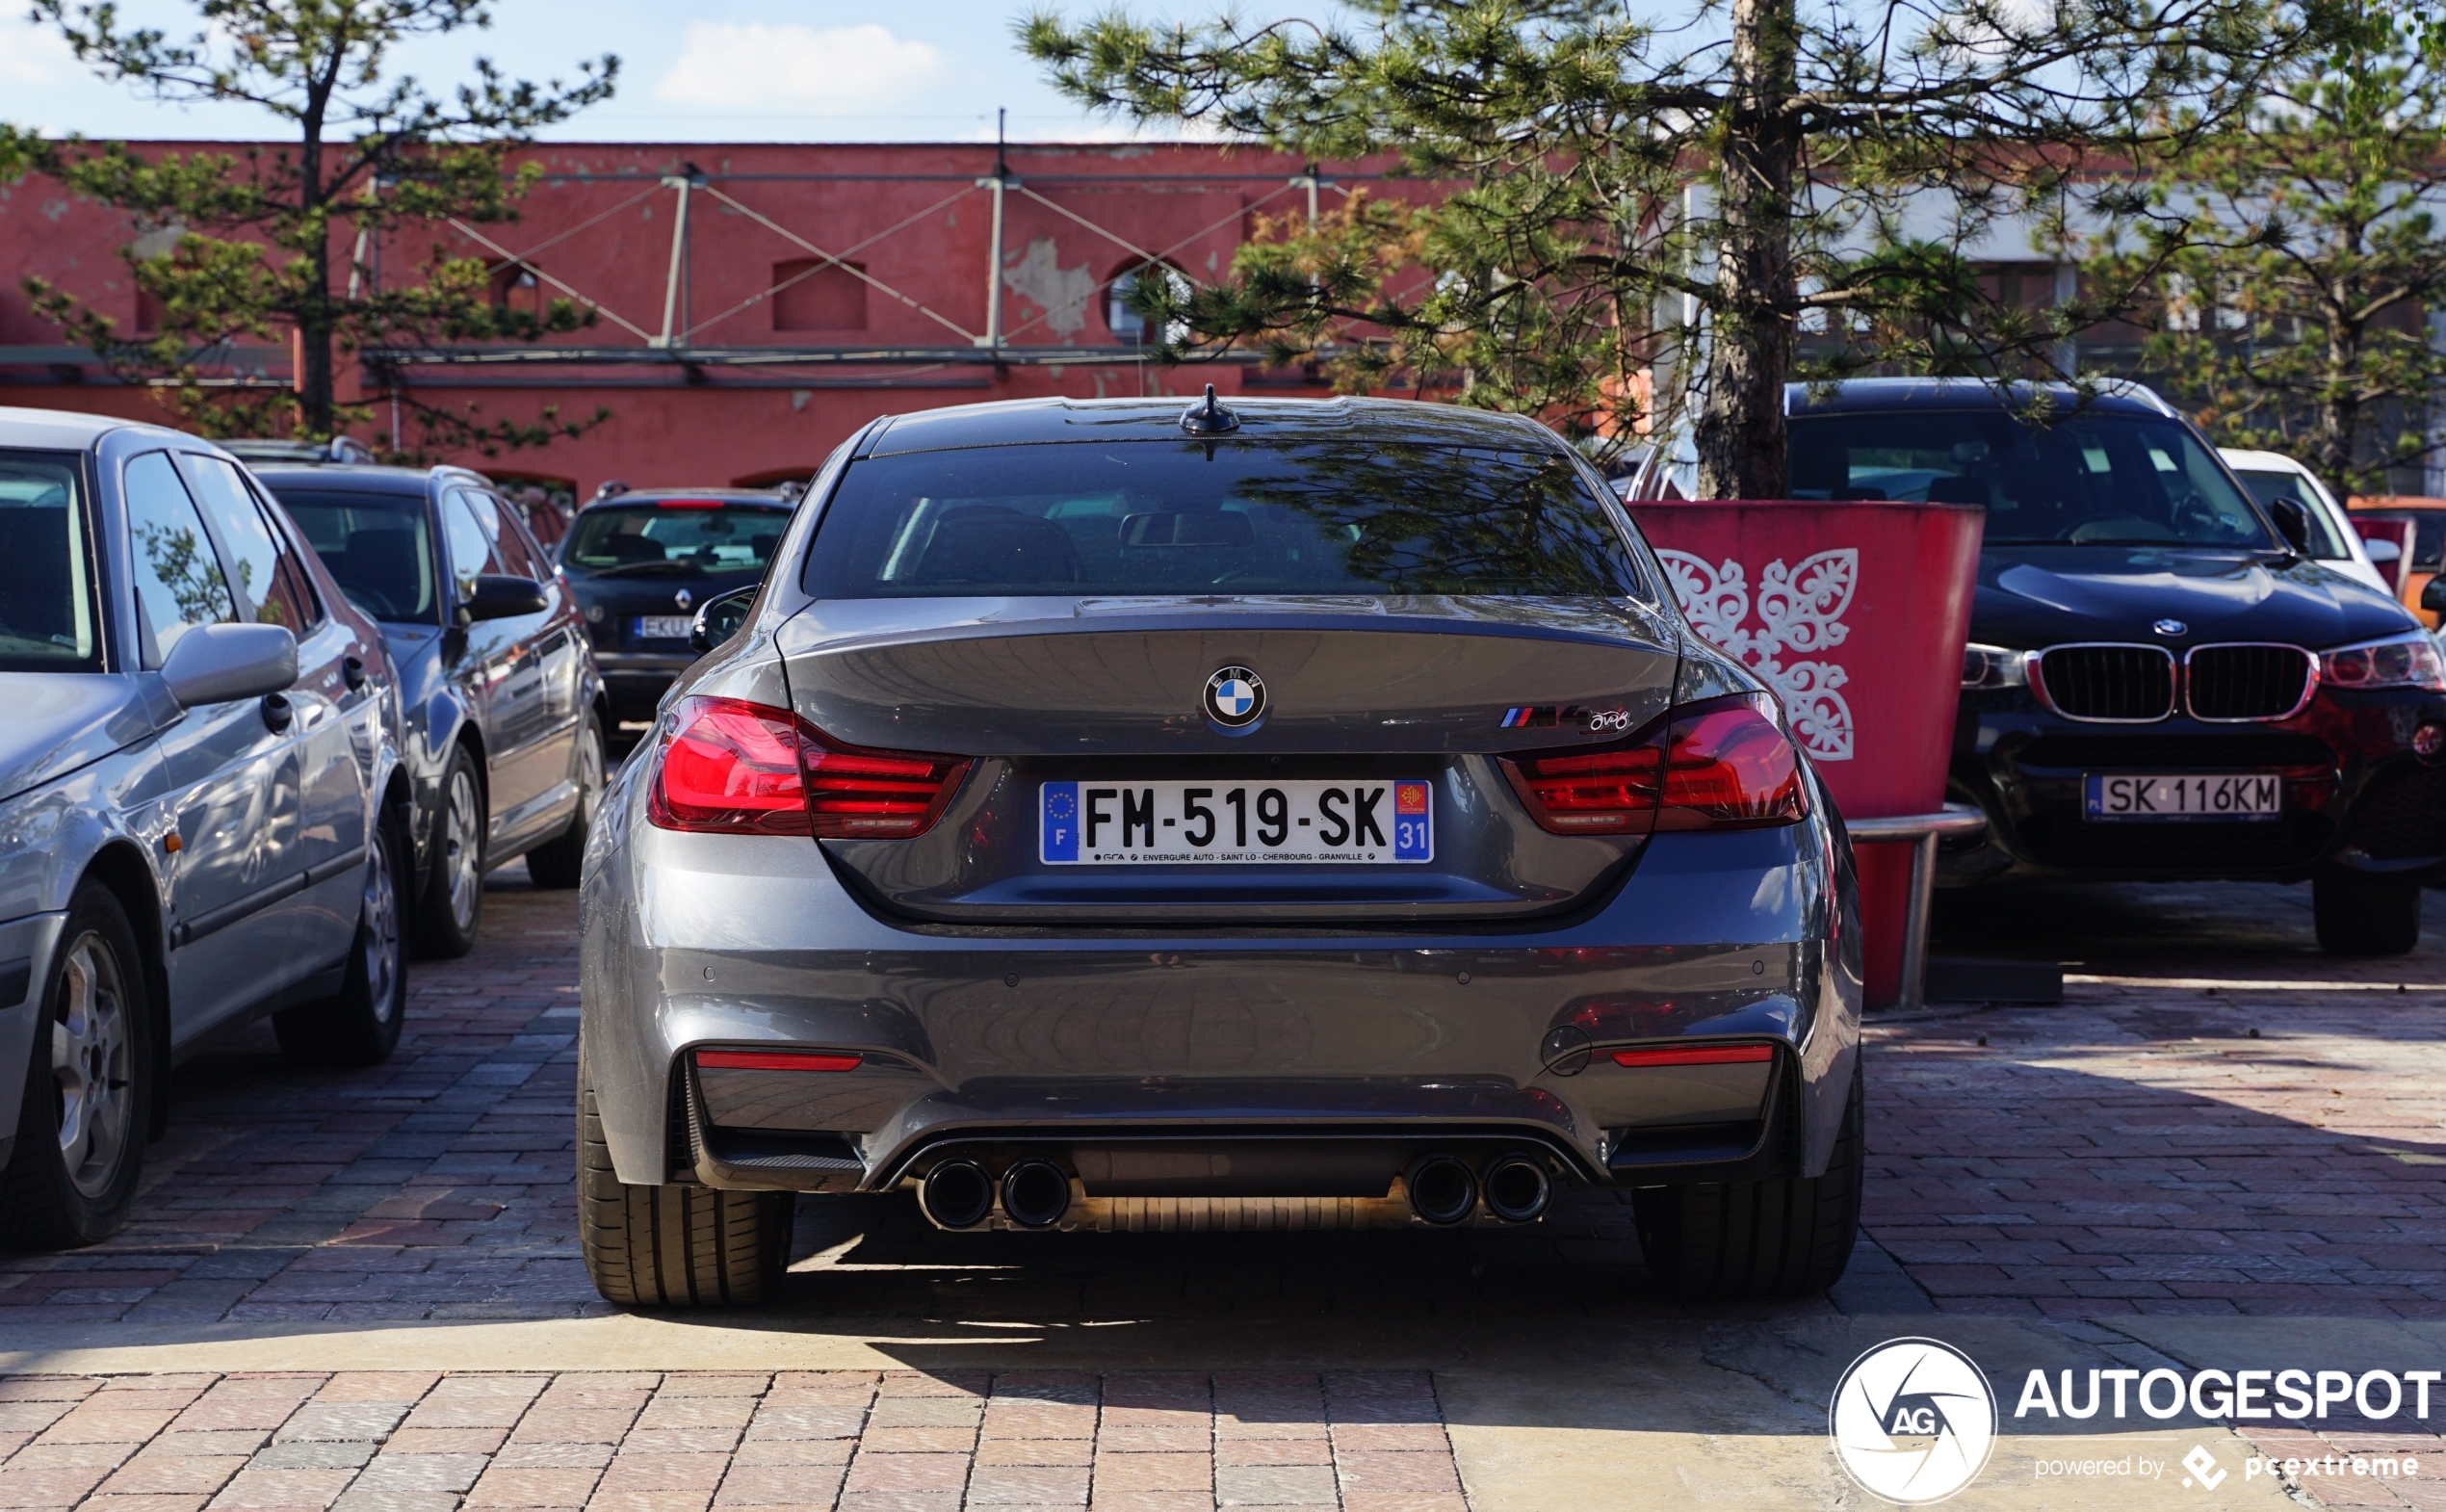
(1856, 613)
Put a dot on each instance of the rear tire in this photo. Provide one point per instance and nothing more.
(80, 1139)
(557, 862)
(453, 904)
(1760, 1238)
(675, 1247)
(360, 1025)
(2365, 915)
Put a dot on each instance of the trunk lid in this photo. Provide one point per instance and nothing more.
(1361, 692)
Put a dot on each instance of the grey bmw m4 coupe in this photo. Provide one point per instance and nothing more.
(1114, 816)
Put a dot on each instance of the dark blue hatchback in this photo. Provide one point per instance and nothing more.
(643, 562)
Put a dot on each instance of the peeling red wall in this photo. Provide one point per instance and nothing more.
(598, 229)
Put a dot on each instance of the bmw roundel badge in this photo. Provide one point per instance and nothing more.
(1234, 697)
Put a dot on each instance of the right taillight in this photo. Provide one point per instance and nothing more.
(1721, 765)
(730, 766)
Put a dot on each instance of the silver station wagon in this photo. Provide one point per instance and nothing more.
(201, 811)
(1112, 815)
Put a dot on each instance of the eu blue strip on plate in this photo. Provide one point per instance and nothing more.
(1058, 829)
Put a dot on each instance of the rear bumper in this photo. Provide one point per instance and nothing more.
(1199, 1063)
(635, 680)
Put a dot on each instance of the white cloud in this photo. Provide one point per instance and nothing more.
(35, 54)
(746, 65)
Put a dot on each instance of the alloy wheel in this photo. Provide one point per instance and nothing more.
(91, 1065)
(381, 932)
(461, 845)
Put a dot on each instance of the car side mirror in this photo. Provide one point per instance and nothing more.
(498, 595)
(2434, 595)
(718, 619)
(2382, 551)
(2293, 523)
(222, 664)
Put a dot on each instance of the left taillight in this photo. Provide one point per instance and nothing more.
(1725, 764)
(730, 766)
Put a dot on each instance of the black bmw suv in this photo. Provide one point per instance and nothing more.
(2161, 683)
(643, 562)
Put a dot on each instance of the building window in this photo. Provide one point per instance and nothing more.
(516, 286)
(1121, 315)
(816, 295)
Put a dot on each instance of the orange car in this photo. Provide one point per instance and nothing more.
(2427, 519)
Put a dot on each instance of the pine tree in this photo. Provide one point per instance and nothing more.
(273, 244)
(1687, 196)
(2289, 267)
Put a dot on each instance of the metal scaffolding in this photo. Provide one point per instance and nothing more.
(679, 341)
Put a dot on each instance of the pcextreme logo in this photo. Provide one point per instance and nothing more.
(1912, 1421)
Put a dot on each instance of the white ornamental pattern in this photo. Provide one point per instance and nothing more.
(1800, 616)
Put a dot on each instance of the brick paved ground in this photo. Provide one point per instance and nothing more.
(2205, 1148)
(434, 1186)
(645, 1442)
(2132, 1150)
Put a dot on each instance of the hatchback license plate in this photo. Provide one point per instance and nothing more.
(1132, 823)
(659, 627)
(2250, 795)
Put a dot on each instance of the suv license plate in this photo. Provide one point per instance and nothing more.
(1133, 823)
(2250, 796)
(661, 627)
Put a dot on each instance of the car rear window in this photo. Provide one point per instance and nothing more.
(379, 547)
(1245, 517)
(674, 537)
(47, 620)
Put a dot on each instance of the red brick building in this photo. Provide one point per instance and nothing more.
(754, 303)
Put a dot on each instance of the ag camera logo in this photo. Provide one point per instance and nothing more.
(1912, 1421)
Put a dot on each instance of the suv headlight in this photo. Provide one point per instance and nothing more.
(2404, 661)
(1993, 666)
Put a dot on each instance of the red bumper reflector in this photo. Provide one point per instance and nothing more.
(773, 1061)
(1695, 1055)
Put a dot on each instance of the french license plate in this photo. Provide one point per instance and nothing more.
(2250, 796)
(1131, 823)
(659, 627)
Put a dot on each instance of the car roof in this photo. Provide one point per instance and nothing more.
(2261, 461)
(1852, 395)
(352, 476)
(69, 428)
(1026, 421)
(754, 498)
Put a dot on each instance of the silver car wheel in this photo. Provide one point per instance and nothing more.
(590, 771)
(462, 847)
(381, 932)
(589, 774)
(91, 1066)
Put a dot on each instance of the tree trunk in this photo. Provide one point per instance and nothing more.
(1740, 434)
(315, 400)
(313, 375)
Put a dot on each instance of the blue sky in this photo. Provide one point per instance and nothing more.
(718, 70)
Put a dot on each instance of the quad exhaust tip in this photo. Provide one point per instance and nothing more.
(1035, 1192)
(1518, 1189)
(1442, 1189)
(958, 1194)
